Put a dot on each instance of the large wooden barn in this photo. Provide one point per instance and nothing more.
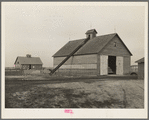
(101, 55)
(28, 62)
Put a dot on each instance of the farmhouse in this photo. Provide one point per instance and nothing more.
(28, 62)
(100, 55)
(140, 68)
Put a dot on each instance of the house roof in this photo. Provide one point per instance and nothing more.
(140, 60)
(29, 60)
(91, 31)
(93, 46)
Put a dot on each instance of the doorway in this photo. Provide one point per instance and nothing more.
(111, 64)
(29, 67)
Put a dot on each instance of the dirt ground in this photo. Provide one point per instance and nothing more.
(45, 92)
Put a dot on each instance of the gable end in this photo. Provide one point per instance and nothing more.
(16, 60)
(115, 47)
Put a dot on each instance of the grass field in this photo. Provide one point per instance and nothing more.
(47, 92)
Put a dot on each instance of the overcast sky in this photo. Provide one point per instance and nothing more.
(41, 29)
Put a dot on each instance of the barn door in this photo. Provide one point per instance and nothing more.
(103, 65)
(119, 65)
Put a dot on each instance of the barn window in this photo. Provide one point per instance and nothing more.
(115, 44)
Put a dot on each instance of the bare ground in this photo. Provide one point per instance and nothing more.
(44, 92)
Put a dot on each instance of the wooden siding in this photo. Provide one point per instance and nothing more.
(103, 64)
(141, 71)
(37, 67)
(119, 65)
(126, 65)
(17, 64)
(83, 65)
(111, 49)
(26, 66)
(79, 66)
(98, 64)
(77, 72)
(74, 60)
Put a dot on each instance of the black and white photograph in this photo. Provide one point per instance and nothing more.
(74, 59)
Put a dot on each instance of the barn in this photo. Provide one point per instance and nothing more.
(100, 55)
(28, 62)
(140, 68)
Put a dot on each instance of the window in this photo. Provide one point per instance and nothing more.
(115, 44)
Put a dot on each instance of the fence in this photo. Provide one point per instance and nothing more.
(17, 72)
(13, 72)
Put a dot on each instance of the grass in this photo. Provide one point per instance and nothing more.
(45, 92)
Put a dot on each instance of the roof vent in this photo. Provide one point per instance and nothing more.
(92, 33)
(28, 55)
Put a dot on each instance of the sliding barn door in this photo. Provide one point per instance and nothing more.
(103, 65)
(119, 65)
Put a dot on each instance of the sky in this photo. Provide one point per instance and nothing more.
(42, 28)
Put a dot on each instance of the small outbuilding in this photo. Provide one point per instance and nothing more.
(100, 55)
(28, 62)
(140, 68)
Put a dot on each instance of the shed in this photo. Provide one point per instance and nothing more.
(101, 55)
(140, 68)
(28, 62)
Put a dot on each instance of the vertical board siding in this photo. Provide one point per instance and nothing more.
(98, 64)
(119, 65)
(126, 64)
(141, 71)
(103, 65)
(118, 50)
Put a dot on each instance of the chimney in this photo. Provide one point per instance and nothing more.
(28, 55)
(92, 33)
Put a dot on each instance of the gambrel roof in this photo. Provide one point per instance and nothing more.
(28, 60)
(93, 46)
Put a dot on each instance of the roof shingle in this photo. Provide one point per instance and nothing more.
(92, 46)
(29, 60)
